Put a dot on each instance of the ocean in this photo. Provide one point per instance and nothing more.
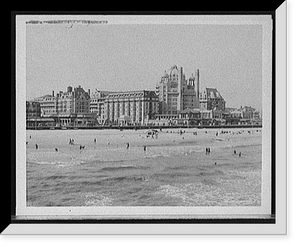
(171, 169)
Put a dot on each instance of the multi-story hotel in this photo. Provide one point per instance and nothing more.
(67, 106)
(97, 101)
(211, 99)
(176, 92)
(130, 107)
(73, 101)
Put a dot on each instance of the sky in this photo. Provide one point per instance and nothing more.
(134, 57)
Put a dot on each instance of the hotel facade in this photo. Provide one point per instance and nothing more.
(70, 108)
(130, 107)
(177, 92)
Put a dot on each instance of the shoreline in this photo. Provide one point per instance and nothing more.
(144, 127)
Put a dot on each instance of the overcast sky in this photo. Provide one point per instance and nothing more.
(134, 57)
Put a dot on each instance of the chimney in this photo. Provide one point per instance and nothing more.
(52, 92)
(89, 91)
(197, 87)
(180, 85)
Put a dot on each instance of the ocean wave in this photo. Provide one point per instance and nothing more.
(157, 155)
(58, 163)
(211, 173)
(55, 177)
(122, 179)
(98, 199)
(121, 167)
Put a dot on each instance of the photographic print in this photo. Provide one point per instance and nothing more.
(144, 117)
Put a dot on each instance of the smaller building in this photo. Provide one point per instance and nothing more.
(97, 107)
(211, 99)
(247, 112)
(33, 109)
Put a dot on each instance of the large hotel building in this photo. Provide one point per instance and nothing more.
(130, 107)
(176, 92)
(73, 101)
(68, 108)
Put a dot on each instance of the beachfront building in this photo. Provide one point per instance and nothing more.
(73, 101)
(97, 102)
(33, 109)
(247, 112)
(191, 116)
(70, 108)
(176, 92)
(48, 105)
(211, 99)
(130, 107)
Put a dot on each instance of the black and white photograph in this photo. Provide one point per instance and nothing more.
(145, 117)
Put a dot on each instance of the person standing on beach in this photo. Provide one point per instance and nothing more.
(240, 154)
(127, 145)
(145, 148)
(36, 146)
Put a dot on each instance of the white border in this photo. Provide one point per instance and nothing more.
(161, 212)
(278, 228)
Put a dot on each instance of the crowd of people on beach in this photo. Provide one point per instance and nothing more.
(154, 134)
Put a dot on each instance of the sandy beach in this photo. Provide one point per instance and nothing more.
(127, 168)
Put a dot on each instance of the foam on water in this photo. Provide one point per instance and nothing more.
(171, 172)
(235, 189)
(98, 199)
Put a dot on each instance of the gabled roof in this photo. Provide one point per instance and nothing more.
(213, 93)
